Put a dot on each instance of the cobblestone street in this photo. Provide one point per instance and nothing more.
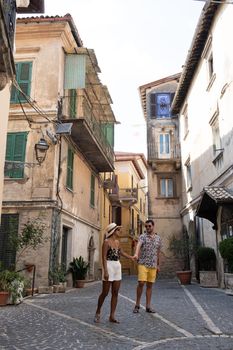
(187, 317)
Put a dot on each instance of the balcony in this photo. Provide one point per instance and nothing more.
(86, 132)
(167, 153)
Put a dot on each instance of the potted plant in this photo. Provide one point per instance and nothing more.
(182, 248)
(79, 268)
(226, 251)
(58, 278)
(11, 287)
(207, 267)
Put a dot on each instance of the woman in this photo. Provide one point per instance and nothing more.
(111, 276)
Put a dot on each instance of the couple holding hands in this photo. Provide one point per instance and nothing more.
(147, 256)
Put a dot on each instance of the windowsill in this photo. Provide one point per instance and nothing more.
(70, 190)
(16, 179)
(218, 157)
(211, 81)
(174, 197)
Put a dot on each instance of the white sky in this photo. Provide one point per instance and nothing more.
(136, 42)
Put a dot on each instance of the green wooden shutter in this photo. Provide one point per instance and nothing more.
(70, 163)
(108, 131)
(72, 103)
(92, 191)
(15, 151)
(23, 77)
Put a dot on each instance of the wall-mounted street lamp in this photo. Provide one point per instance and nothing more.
(41, 149)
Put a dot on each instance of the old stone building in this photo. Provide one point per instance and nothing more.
(164, 177)
(7, 67)
(204, 104)
(59, 107)
(129, 201)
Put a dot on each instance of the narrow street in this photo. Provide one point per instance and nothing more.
(187, 317)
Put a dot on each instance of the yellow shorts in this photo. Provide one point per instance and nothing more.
(146, 274)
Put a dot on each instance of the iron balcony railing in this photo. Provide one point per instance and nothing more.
(128, 194)
(165, 151)
(78, 107)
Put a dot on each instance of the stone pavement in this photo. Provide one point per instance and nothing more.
(187, 317)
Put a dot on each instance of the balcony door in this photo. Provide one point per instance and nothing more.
(164, 145)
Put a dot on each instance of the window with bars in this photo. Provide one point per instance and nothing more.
(70, 169)
(92, 191)
(160, 105)
(23, 78)
(15, 151)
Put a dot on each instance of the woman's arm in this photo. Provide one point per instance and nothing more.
(104, 259)
(126, 255)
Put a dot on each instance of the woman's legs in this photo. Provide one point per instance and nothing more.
(115, 290)
(104, 293)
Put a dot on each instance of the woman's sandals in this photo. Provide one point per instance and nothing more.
(136, 309)
(113, 320)
(97, 318)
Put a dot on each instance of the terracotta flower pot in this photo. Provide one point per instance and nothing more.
(3, 298)
(184, 276)
(79, 283)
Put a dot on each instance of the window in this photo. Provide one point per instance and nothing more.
(166, 187)
(217, 144)
(164, 145)
(188, 175)
(160, 104)
(209, 58)
(23, 77)
(92, 190)
(72, 103)
(70, 169)
(9, 225)
(210, 65)
(15, 151)
(186, 121)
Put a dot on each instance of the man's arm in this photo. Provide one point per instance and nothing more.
(137, 250)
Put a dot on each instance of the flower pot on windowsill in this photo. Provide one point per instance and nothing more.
(184, 276)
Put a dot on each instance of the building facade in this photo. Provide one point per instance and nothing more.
(203, 102)
(58, 102)
(8, 10)
(164, 176)
(128, 196)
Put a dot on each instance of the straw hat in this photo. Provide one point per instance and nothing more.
(110, 229)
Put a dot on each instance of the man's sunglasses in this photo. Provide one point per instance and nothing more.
(148, 226)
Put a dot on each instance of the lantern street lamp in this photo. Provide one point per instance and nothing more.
(41, 150)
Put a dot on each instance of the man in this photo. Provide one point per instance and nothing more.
(147, 254)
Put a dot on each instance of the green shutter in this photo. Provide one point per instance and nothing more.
(75, 71)
(15, 151)
(72, 103)
(23, 77)
(92, 191)
(70, 163)
(108, 131)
